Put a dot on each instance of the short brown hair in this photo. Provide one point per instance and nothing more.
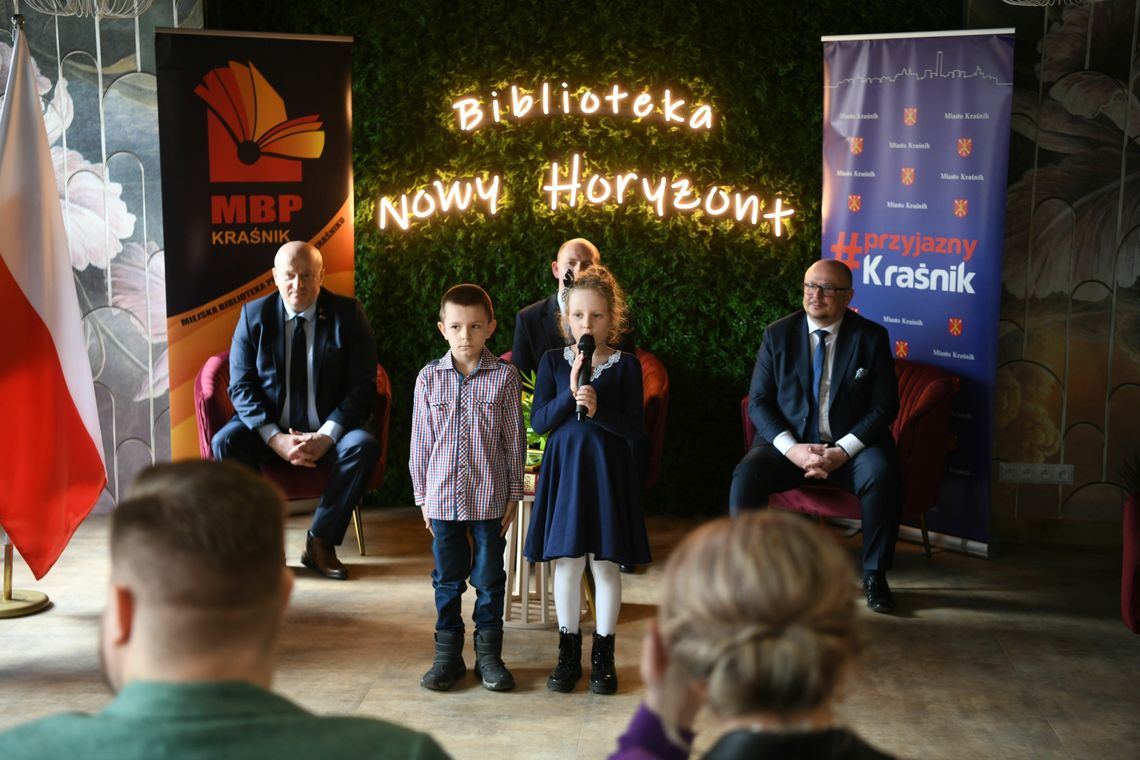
(762, 609)
(199, 534)
(601, 280)
(467, 294)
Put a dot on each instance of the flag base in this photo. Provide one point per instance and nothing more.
(23, 603)
(18, 603)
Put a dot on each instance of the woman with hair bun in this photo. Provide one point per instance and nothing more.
(756, 623)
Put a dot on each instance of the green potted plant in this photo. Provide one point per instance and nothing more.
(535, 443)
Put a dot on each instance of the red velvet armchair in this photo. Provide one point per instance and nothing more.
(213, 409)
(655, 397)
(655, 387)
(921, 430)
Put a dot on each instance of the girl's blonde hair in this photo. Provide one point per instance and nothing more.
(761, 608)
(601, 280)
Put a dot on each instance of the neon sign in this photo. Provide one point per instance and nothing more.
(573, 189)
(440, 199)
(472, 111)
(659, 192)
(566, 184)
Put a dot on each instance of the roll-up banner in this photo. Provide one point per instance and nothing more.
(915, 151)
(255, 134)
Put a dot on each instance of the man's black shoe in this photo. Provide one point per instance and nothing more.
(878, 593)
(628, 569)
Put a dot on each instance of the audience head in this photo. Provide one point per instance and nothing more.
(594, 292)
(466, 320)
(575, 255)
(198, 580)
(298, 271)
(760, 610)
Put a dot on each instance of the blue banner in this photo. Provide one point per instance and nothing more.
(915, 150)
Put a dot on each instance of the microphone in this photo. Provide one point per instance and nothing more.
(586, 348)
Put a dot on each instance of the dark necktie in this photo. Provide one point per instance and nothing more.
(299, 378)
(817, 361)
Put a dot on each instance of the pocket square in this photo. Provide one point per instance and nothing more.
(860, 373)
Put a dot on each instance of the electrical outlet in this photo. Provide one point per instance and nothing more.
(1063, 474)
(1043, 473)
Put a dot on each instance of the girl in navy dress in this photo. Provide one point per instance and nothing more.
(588, 503)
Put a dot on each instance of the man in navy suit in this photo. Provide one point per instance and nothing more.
(824, 394)
(303, 382)
(538, 326)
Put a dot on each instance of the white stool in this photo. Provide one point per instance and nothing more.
(528, 585)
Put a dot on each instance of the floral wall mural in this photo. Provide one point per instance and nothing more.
(96, 79)
(1069, 377)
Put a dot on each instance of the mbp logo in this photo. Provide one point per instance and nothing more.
(251, 138)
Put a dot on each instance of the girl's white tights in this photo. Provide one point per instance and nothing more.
(568, 593)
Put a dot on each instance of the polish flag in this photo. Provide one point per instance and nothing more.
(53, 469)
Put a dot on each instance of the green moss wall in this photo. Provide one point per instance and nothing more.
(701, 290)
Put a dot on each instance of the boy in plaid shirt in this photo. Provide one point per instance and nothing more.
(467, 452)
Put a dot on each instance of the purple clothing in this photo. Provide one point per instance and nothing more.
(645, 739)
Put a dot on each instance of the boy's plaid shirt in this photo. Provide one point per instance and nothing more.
(468, 439)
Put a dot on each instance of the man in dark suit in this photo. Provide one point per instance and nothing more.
(538, 326)
(302, 382)
(823, 397)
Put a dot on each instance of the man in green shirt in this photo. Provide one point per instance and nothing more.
(188, 643)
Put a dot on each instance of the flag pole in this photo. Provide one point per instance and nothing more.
(18, 603)
(52, 494)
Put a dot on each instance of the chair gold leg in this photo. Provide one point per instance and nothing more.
(925, 537)
(359, 526)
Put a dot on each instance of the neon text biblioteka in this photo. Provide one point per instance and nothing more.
(515, 104)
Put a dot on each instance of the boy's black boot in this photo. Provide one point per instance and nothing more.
(489, 661)
(603, 674)
(447, 667)
(569, 668)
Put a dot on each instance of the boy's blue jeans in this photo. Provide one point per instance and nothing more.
(455, 561)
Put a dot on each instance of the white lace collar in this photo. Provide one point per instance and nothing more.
(597, 370)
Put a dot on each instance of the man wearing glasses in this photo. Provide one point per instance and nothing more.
(823, 397)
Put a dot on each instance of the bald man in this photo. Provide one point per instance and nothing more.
(303, 383)
(537, 327)
(824, 394)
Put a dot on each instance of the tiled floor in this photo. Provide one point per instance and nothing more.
(1023, 656)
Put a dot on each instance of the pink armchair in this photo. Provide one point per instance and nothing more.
(213, 409)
